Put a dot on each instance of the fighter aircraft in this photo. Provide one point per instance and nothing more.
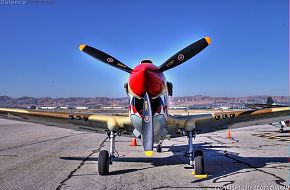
(271, 104)
(148, 118)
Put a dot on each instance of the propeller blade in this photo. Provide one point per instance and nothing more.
(102, 56)
(147, 126)
(185, 54)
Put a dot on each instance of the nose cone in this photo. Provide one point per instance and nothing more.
(145, 77)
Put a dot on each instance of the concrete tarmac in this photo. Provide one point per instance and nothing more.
(34, 156)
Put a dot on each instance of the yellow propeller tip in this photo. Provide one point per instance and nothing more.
(149, 153)
(208, 40)
(82, 46)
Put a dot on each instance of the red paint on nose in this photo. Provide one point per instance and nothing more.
(145, 77)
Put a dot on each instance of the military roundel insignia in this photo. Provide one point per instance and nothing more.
(180, 57)
(146, 118)
(110, 60)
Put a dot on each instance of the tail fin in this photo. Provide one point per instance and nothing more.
(270, 101)
(270, 104)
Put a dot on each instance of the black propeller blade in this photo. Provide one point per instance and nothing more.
(185, 54)
(102, 56)
(147, 126)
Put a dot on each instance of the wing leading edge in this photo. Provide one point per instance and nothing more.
(94, 122)
(204, 123)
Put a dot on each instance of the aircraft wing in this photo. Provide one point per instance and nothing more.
(210, 122)
(262, 106)
(78, 121)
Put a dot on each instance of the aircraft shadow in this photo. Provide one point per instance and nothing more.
(217, 162)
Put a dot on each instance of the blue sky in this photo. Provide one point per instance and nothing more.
(248, 54)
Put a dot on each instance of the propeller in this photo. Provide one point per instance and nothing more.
(147, 126)
(102, 56)
(185, 54)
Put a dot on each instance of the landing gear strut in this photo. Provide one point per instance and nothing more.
(105, 157)
(159, 146)
(196, 159)
(190, 150)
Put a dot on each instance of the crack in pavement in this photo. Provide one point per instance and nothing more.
(233, 141)
(20, 146)
(189, 187)
(104, 186)
(261, 146)
(278, 180)
(228, 182)
(215, 140)
(80, 165)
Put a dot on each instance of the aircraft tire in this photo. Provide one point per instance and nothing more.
(103, 163)
(158, 148)
(199, 162)
(281, 130)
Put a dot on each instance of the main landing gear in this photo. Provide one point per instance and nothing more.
(283, 124)
(105, 157)
(159, 146)
(104, 162)
(196, 159)
(281, 130)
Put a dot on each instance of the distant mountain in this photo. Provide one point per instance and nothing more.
(6, 101)
(225, 101)
(198, 100)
